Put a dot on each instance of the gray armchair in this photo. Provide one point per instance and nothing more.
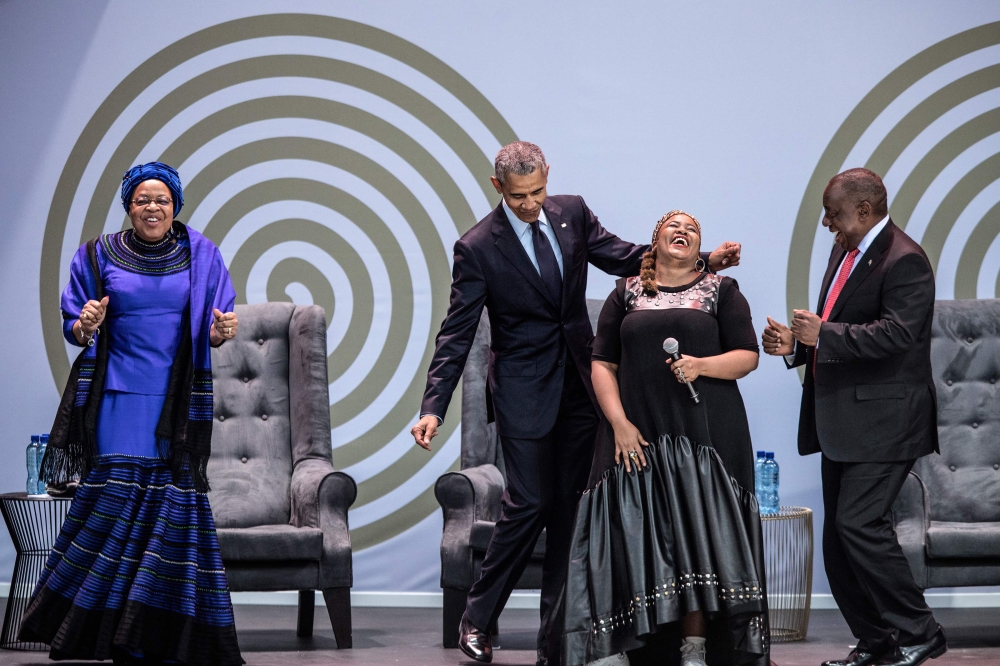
(947, 516)
(279, 506)
(470, 498)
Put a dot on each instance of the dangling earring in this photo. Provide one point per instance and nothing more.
(700, 265)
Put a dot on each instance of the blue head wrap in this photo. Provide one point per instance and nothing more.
(157, 171)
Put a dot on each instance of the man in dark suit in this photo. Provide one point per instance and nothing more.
(869, 407)
(526, 262)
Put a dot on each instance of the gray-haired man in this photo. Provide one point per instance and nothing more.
(526, 262)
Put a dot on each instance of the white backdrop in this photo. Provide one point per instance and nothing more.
(324, 155)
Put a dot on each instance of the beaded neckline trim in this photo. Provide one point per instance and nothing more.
(129, 252)
(702, 295)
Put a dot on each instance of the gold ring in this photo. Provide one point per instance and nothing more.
(633, 455)
(229, 331)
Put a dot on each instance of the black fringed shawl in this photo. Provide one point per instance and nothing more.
(184, 431)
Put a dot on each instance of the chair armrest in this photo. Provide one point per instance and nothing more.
(307, 477)
(465, 497)
(321, 498)
(911, 518)
(337, 493)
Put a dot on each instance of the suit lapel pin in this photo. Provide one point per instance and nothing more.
(563, 225)
(869, 262)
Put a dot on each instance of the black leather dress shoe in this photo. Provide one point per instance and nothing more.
(856, 658)
(474, 642)
(912, 655)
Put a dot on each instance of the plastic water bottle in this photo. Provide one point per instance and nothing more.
(43, 443)
(31, 454)
(769, 485)
(757, 487)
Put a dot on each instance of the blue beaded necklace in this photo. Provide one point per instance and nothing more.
(129, 252)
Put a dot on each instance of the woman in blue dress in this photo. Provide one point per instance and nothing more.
(136, 574)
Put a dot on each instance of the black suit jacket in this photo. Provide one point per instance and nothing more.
(530, 335)
(872, 398)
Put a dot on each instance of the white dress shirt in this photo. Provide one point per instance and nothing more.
(523, 232)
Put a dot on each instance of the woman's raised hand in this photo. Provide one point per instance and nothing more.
(628, 445)
(92, 316)
(224, 327)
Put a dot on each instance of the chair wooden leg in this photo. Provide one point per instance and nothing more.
(338, 605)
(307, 610)
(453, 608)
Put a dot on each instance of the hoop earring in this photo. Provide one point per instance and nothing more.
(700, 265)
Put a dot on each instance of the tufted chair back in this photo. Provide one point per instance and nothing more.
(253, 454)
(963, 483)
(480, 444)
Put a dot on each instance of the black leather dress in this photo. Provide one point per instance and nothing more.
(684, 534)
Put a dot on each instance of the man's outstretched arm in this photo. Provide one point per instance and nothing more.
(454, 340)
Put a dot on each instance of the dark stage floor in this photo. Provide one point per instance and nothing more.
(412, 636)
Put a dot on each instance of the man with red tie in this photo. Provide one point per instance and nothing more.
(869, 407)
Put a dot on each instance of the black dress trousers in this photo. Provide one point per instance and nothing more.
(545, 478)
(869, 576)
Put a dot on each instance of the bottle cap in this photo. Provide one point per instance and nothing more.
(760, 454)
(769, 455)
(35, 439)
(45, 438)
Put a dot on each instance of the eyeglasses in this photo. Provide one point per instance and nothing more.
(162, 202)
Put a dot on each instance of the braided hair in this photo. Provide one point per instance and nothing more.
(647, 270)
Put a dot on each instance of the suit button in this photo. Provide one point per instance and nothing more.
(260, 341)
(996, 466)
(246, 379)
(975, 425)
(561, 362)
(969, 340)
(243, 459)
(951, 467)
(221, 417)
(263, 417)
(948, 382)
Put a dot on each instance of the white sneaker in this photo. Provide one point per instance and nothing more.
(693, 651)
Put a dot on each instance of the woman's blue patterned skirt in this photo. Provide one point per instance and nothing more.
(135, 572)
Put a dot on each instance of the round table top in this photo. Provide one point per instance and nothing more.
(25, 497)
(788, 513)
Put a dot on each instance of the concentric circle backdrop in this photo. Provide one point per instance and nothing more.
(931, 128)
(332, 163)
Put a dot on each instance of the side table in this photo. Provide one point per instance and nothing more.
(788, 561)
(34, 523)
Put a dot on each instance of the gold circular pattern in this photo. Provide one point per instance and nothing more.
(401, 279)
(937, 218)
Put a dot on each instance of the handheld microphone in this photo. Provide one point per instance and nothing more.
(670, 346)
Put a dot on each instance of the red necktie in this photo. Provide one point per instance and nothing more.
(831, 299)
